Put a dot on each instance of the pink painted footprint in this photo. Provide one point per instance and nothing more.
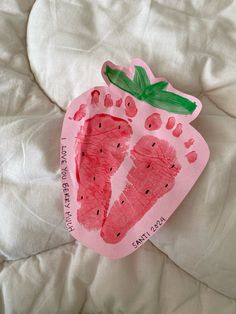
(101, 148)
(136, 131)
(152, 175)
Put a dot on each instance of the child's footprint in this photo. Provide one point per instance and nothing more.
(153, 174)
(100, 150)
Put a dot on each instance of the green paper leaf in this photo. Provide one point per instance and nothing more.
(140, 77)
(153, 89)
(121, 80)
(158, 87)
(154, 94)
(171, 102)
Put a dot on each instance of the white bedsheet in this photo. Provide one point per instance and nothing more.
(58, 54)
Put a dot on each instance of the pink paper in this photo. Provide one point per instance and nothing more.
(127, 161)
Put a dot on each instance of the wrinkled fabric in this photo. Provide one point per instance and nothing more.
(50, 52)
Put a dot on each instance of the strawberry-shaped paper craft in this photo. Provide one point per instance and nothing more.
(129, 156)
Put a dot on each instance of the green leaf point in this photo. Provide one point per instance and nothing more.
(121, 80)
(140, 77)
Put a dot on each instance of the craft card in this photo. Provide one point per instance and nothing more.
(129, 156)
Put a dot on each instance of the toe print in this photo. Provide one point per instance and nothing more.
(153, 122)
(95, 97)
(130, 107)
(80, 114)
(170, 123)
(189, 143)
(191, 157)
(178, 130)
(118, 102)
(108, 102)
(129, 156)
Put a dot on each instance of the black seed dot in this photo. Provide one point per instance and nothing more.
(93, 178)
(101, 150)
(119, 127)
(153, 144)
(172, 166)
(81, 197)
(98, 212)
(118, 145)
(110, 169)
(82, 153)
(128, 104)
(100, 125)
(148, 166)
(166, 185)
(149, 125)
(118, 234)
(122, 202)
(147, 191)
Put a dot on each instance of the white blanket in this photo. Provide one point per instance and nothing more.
(49, 54)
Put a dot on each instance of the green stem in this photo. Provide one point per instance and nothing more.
(154, 94)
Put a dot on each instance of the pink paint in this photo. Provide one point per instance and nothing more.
(118, 102)
(108, 102)
(170, 123)
(178, 130)
(81, 113)
(153, 122)
(100, 149)
(130, 107)
(84, 148)
(189, 143)
(155, 167)
(95, 97)
(192, 157)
